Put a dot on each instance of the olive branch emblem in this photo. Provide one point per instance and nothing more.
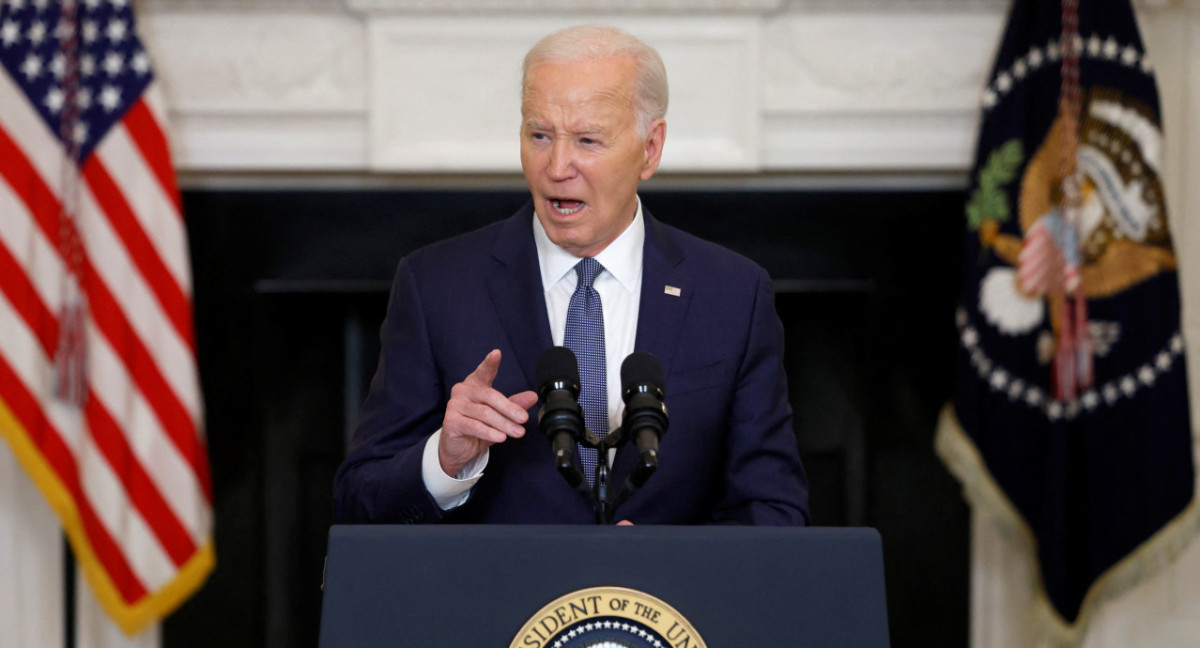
(989, 200)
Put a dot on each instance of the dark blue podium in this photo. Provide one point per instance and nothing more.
(451, 586)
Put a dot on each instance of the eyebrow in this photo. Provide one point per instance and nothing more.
(591, 129)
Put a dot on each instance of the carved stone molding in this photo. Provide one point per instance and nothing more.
(870, 142)
(566, 6)
(425, 86)
(236, 6)
(261, 90)
(605, 6)
(258, 63)
(895, 61)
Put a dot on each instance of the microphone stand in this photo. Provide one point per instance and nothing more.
(604, 510)
(600, 495)
(645, 418)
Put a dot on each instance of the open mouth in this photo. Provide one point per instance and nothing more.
(565, 206)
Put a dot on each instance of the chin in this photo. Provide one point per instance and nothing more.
(569, 243)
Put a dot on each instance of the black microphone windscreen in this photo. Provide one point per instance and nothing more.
(557, 363)
(641, 368)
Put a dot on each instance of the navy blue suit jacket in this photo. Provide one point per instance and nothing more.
(729, 454)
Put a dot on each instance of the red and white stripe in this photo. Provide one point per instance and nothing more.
(133, 461)
(1040, 263)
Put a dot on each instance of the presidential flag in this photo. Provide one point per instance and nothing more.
(1071, 393)
(99, 395)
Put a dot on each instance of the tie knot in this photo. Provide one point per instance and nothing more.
(586, 270)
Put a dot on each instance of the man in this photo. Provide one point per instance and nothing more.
(446, 433)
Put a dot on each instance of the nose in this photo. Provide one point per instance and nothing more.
(562, 162)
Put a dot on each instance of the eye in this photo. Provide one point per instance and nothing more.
(587, 141)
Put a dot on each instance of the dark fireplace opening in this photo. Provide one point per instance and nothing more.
(291, 286)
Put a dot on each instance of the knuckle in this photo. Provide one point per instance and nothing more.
(458, 418)
(478, 429)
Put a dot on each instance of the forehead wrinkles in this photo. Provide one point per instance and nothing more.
(580, 111)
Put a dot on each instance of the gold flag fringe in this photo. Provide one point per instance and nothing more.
(1151, 557)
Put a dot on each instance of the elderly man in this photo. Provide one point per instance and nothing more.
(446, 432)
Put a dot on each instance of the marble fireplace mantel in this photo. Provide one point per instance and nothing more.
(430, 87)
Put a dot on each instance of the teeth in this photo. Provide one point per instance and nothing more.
(559, 208)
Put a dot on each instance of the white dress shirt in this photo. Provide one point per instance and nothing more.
(619, 286)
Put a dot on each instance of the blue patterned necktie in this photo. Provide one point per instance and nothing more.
(585, 336)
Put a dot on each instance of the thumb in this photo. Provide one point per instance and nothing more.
(525, 399)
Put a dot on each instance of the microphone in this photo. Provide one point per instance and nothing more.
(561, 417)
(645, 413)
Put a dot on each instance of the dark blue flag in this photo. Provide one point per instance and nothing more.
(1071, 393)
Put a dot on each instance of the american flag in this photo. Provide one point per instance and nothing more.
(1040, 266)
(90, 219)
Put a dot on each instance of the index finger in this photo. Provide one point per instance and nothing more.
(486, 372)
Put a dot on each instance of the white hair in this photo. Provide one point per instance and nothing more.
(584, 42)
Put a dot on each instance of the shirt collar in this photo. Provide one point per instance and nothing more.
(622, 258)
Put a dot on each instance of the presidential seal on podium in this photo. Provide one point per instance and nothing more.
(607, 617)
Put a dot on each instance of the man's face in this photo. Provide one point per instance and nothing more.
(581, 152)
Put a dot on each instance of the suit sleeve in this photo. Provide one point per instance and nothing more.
(765, 483)
(380, 480)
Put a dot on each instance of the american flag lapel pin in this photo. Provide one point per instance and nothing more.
(672, 291)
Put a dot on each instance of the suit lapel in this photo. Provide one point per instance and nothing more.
(666, 294)
(517, 295)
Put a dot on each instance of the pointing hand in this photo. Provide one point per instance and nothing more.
(478, 416)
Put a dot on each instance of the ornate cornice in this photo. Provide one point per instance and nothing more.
(425, 7)
(565, 6)
(763, 86)
(681, 7)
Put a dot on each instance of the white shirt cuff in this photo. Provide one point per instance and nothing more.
(449, 492)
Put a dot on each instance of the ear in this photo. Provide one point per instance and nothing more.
(655, 136)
